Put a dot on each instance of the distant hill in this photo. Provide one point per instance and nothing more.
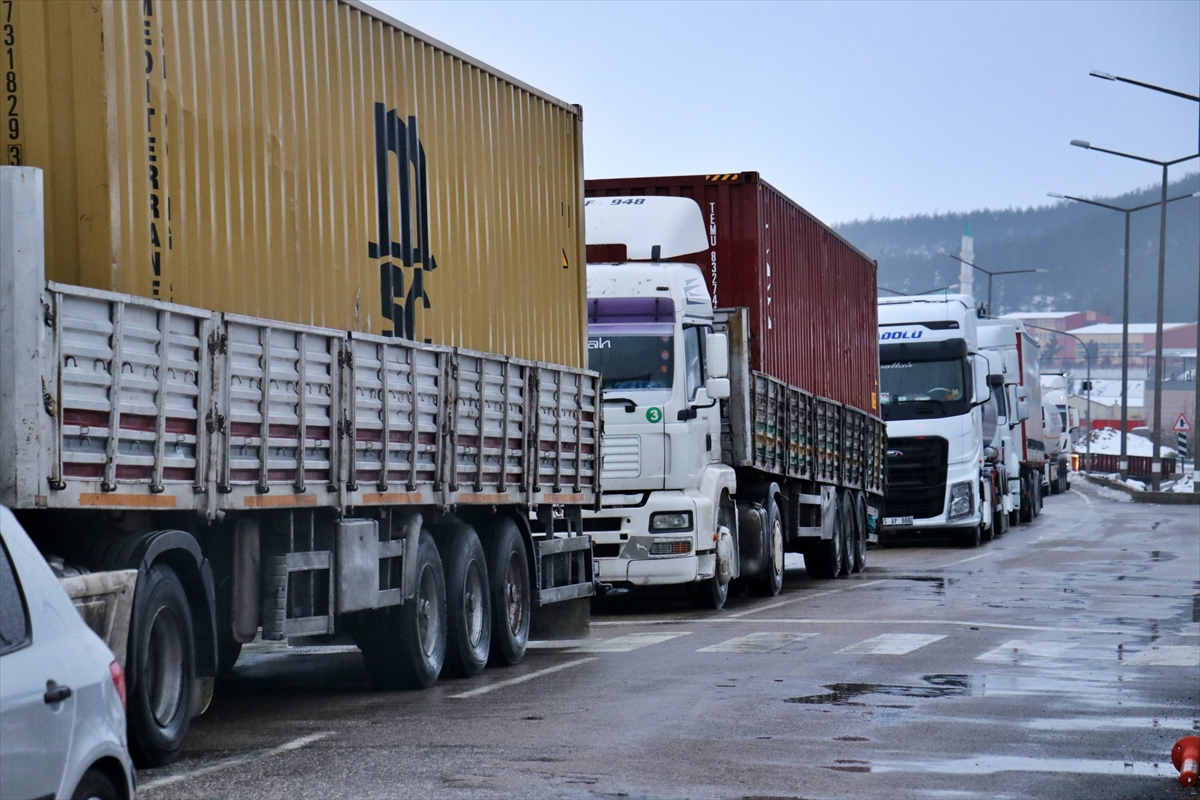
(1080, 245)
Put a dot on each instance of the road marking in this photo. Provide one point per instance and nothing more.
(964, 623)
(801, 596)
(1165, 656)
(514, 681)
(630, 641)
(1019, 651)
(258, 755)
(892, 644)
(756, 643)
(972, 558)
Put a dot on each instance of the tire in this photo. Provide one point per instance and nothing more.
(769, 582)
(1037, 498)
(95, 785)
(824, 559)
(508, 571)
(709, 594)
(468, 602)
(970, 537)
(1026, 512)
(848, 535)
(162, 668)
(404, 647)
(860, 530)
(1001, 518)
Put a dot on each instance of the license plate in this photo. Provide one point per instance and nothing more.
(897, 520)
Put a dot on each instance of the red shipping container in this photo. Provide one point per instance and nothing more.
(811, 294)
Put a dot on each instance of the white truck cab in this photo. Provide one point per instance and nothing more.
(932, 385)
(650, 334)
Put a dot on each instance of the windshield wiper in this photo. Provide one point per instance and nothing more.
(630, 406)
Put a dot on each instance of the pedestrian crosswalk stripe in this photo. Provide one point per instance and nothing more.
(1019, 651)
(892, 644)
(756, 643)
(1165, 656)
(623, 644)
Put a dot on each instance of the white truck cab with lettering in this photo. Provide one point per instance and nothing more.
(932, 385)
(650, 334)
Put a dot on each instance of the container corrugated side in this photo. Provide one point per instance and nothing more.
(811, 294)
(312, 162)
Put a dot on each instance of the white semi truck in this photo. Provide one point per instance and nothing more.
(933, 386)
(1013, 353)
(1058, 422)
(711, 469)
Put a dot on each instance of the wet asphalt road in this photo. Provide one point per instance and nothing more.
(1062, 660)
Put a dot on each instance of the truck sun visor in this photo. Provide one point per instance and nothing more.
(922, 351)
(623, 310)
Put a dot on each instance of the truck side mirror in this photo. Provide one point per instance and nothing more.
(716, 347)
(995, 381)
(982, 388)
(1022, 410)
(717, 388)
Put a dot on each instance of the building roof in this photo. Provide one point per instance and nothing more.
(1136, 328)
(1040, 314)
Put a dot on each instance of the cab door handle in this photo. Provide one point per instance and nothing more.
(55, 693)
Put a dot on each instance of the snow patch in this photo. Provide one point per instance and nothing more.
(1107, 441)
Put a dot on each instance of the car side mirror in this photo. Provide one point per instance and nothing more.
(717, 388)
(716, 347)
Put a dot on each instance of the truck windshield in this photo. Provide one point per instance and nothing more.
(915, 389)
(632, 361)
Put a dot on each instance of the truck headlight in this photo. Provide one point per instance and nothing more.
(961, 500)
(671, 521)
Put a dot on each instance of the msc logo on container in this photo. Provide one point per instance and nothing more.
(411, 225)
(893, 335)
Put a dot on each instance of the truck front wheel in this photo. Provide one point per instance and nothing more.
(162, 661)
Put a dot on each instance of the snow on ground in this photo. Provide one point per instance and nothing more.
(1095, 489)
(1108, 442)
(1185, 484)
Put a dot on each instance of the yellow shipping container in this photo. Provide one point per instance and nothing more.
(312, 161)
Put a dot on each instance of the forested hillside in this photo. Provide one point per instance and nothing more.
(1079, 245)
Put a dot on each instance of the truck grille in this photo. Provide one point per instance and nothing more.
(622, 457)
(916, 472)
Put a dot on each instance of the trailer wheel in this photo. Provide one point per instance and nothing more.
(404, 646)
(1026, 513)
(860, 532)
(468, 602)
(823, 559)
(846, 517)
(1037, 497)
(770, 581)
(162, 668)
(508, 571)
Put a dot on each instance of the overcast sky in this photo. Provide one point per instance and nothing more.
(855, 109)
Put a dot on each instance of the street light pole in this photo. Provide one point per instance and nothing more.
(1124, 458)
(1196, 370)
(1155, 463)
(991, 275)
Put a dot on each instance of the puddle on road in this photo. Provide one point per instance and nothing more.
(844, 694)
(987, 765)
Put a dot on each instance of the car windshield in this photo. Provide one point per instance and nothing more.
(910, 389)
(632, 361)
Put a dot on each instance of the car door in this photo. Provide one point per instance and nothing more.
(36, 719)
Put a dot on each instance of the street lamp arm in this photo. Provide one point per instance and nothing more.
(1105, 76)
(1089, 146)
(969, 264)
(1118, 208)
(1181, 160)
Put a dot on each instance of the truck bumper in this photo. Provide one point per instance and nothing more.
(967, 472)
(626, 552)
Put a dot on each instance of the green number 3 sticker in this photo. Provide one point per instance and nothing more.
(654, 414)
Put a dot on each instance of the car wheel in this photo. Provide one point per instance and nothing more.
(468, 602)
(162, 668)
(508, 572)
(770, 581)
(95, 785)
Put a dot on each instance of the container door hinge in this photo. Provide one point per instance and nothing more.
(218, 342)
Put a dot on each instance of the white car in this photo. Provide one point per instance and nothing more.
(62, 694)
